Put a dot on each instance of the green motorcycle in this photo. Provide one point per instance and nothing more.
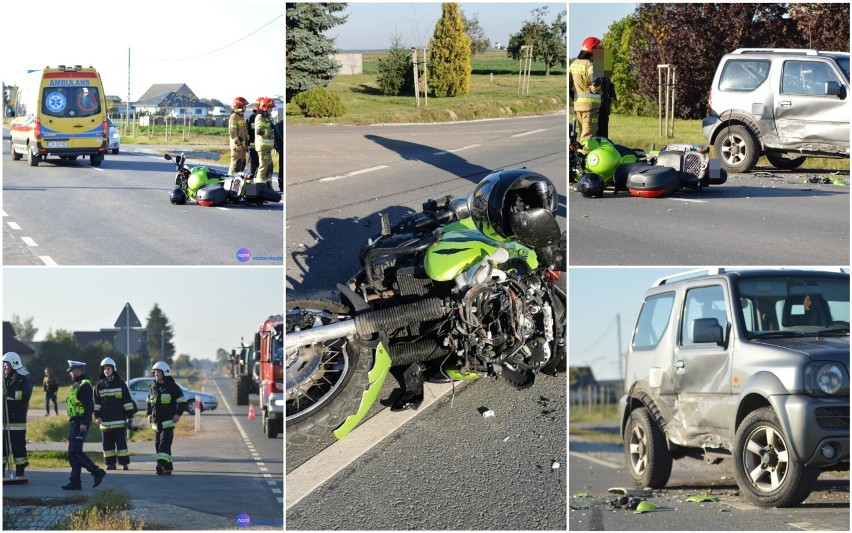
(465, 288)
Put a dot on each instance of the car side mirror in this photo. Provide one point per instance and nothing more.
(707, 331)
(832, 88)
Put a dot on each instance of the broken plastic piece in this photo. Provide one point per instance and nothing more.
(555, 465)
(583, 494)
(645, 507)
(700, 498)
(617, 490)
(487, 413)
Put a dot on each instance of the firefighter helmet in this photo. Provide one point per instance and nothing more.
(266, 104)
(161, 365)
(240, 103)
(590, 44)
(108, 362)
(14, 360)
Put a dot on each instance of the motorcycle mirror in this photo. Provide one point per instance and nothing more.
(167, 157)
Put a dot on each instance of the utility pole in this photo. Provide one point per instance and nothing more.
(620, 351)
(127, 106)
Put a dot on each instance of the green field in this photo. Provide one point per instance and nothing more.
(491, 96)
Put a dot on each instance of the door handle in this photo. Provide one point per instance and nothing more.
(786, 103)
(679, 365)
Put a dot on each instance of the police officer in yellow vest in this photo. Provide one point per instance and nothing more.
(587, 91)
(80, 406)
(239, 136)
(17, 390)
(264, 139)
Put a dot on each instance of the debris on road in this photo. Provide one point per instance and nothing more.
(701, 498)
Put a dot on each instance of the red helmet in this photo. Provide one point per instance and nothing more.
(590, 44)
(256, 104)
(266, 104)
(240, 102)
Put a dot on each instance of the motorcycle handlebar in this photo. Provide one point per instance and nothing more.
(435, 214)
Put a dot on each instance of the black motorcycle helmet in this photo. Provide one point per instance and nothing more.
(590, 185)
(177, 196)
(509, 191)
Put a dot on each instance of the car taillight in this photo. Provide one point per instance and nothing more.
(37, 129)
(105, 127)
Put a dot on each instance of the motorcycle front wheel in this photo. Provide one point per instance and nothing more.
(325, 380)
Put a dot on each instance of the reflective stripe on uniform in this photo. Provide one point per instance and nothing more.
(15, 426)
(164, 457)
(168, 424)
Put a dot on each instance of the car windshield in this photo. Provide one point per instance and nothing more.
(792, 306)
(69, 102)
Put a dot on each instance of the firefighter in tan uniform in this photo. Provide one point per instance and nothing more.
(264, 140)
(587, 93)
(239, 136)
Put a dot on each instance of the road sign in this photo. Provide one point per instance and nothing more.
(120, 341)
(127, 318)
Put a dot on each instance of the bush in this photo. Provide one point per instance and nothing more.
(396, 73)
(318, 102)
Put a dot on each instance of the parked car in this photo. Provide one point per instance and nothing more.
(139, 388)
(786, 104)
(748, 365)
(114, 138)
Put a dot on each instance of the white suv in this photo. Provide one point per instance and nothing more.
(786, 104)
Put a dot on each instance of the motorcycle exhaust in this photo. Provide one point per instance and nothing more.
(368, 323)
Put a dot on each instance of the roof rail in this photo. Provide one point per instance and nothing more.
(805, 51)
(689, 274)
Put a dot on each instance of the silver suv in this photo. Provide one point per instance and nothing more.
(786, 104)
(749, 365)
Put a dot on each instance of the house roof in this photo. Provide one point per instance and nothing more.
(85, 338)
(11, 343)
(170, 95)
(581, 376)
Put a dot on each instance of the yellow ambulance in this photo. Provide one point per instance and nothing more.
(62, 112)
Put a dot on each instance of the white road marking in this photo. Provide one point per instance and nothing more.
(321, 467)
(46, 259)
(595, 460)
(524, 134)
(354, 173)
(29, 241)
(445, 152)
(4, 213)
(14, 225)
(688, 200)
(807, 526)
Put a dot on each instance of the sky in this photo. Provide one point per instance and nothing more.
(592, 20)
(219, 49)
(596, 296)
(208, 307)
(371, 26)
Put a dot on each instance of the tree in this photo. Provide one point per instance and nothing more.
(54, 353)
(93, 353)
(222, 356)
(822, 26)
(183, 362)
(479, 43)
(309, 53)
(160, 334)
(548, 40)
(449, 68)
(25, 330)
(695, 36)
(618, 40)
(396, 73)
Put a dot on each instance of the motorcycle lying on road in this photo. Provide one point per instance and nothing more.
(647, 174)
(466, 288)
(210, 188)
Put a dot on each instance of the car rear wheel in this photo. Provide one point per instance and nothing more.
(115, 151)
(648, 457)
(15, 155)
(783, 163)
(96, 160)
(767, 471)
(737, 148)
(32, 158)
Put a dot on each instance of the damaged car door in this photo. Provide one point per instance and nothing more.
(701, 370)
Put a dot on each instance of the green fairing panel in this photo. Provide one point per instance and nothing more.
(462, 246)
(376, 376)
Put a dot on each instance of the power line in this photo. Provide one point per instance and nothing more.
(230, 44)
(595, 343)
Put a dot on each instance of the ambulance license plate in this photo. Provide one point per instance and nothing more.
(57, 144)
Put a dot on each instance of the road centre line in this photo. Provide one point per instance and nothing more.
(688, 200)
(524, 134)
(468, 147)
(14, 225)
(29, 241)
(353, 173)
(324, 465)
(4, 213)
(594, 460)
(47, 260)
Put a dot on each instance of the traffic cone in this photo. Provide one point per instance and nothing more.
(251, 411)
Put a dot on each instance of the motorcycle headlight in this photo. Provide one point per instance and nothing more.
(826, 379)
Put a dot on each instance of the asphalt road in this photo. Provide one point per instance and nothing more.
(596, 467)
(70, 213)
(747, 221)
(229, 468)
(450, 468)
(339, 179)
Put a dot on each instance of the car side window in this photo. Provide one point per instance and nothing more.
(653, 320)
(743, 74)
(806, 77)
(702, 302)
